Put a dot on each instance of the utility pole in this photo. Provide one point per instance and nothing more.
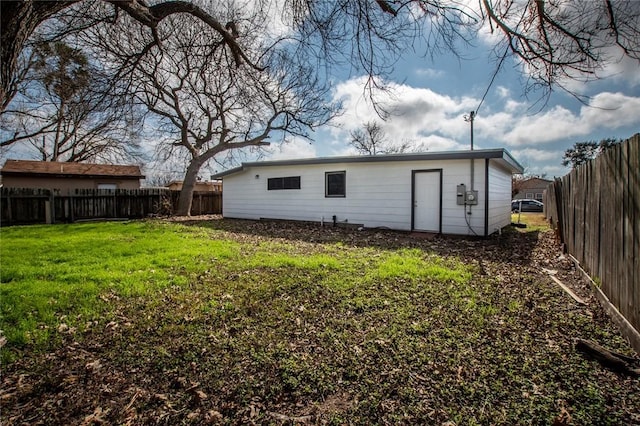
(472, 115)
(469, 118)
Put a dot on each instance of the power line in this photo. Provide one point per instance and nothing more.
(472, 115)
(493, 78)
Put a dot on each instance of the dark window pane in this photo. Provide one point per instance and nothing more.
(335, 184)
(274, 183)
(292, 182)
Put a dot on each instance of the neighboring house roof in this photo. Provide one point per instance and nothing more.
(60, 169)
(533, 182)
(501, 154)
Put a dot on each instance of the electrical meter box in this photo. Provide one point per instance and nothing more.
(461, 191)
(471, 198)
(464, 197)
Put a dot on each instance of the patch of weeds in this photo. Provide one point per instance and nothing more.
(412, 263)
(284, 260)
(514, 306)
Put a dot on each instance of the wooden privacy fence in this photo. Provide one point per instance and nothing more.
(596, 210)
(29, 206)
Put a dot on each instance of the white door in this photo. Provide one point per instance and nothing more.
(426, 200)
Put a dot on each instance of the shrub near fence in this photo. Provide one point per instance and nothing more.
(29, 206)
(596, 210)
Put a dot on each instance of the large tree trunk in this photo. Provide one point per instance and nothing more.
(19, 19)
(188, 186)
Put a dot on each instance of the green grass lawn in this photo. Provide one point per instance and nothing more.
(64, 274)
(534, 221)
(336, 331)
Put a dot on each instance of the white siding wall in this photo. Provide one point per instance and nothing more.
(377, 194)
(455, 217)
(499, 198)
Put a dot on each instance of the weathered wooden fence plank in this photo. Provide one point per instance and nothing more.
(571, 214)
(594, 222)
(578, 197)
(25, 206)
(633, 220)
(618, 247)
(596, 211)
(627, 228)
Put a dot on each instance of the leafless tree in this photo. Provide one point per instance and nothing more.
(371, 139)
(68, 110)
(21, 18)
(563, 40)
(553, 40)
(203, 105)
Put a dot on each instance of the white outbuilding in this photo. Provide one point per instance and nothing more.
(453, 192)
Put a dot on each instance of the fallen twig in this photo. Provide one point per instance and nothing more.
(285, 418)
(564, 287)
(606, 357)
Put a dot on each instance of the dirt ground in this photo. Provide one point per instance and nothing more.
(57, 387)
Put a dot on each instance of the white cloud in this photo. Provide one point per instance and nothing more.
(622, 69)
(414, 112)
(513, 106)
(612, 110)
(607, 111)
(297, 148)
(614, 66)
(556, 123)
(344, 150)
(439, 143)
(435, 121)
(503, 92)
(541, 162)
(430, 72)
(537, 154)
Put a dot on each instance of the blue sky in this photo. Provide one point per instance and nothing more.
(431, 96)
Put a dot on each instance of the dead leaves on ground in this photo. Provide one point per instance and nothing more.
(80, 382)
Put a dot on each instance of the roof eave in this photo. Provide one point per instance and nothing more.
(68, 175)
(499, 154)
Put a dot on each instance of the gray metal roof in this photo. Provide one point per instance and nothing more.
(499, 154)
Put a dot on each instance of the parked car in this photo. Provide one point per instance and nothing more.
(526, 205)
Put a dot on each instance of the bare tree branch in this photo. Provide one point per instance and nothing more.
(83, 120)
(206, 107)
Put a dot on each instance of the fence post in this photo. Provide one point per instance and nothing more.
(52, 195)
(72, 207)
(9, 210)
(48, 210)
